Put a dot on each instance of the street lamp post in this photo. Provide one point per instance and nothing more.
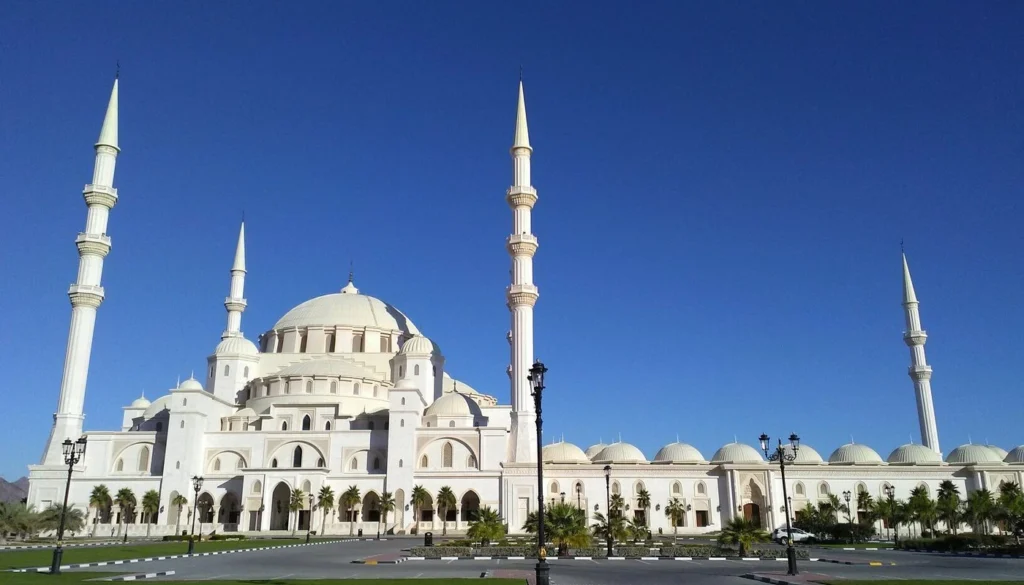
(197, 484)
(608, 504)
(847, 496)
(536, 378)
(73, 453)
(779, 454)
(563, 497)
(579, 496)
(309, 518)
(890, 492)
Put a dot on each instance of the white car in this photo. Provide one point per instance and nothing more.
(780, 534)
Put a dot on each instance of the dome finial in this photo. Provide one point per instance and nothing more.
(350, 288)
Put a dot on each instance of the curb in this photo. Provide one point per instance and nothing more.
(754, 577)
(169, 557)
(969, 554)
(140, 576)
(378, 562)
(591, 558)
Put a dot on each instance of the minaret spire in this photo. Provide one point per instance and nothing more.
(920, 372)
(235, 302)
(522, 294)
(86, 294)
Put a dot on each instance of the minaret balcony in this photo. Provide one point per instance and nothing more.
(93, 244)
(522, 294)
(920, 372)
(522, 245)
(521, 196)
(85, 295)
(912, 338)
(100, 195)
(234, 304)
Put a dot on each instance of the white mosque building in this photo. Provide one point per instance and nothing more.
(344, 390)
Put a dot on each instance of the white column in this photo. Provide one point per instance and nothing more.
(920, 372)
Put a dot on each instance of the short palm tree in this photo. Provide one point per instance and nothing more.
(420, 498)
(387, 504)
(150, 507)
(1010, 509)
(950, 507)
(49, 519)
(179, 501)
(865, 507)
(101, 501)
(18, 518)
(125, 500)
(742, 532)
(605, 526)
(487, 527)
(325, 501)
(643, 501)
(564, 524)
(617, 505)
(350, 498)
(296, 503)
(979, 510)
(676, 513)
(445, 501)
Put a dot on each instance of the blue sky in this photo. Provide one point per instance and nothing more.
(723, 187)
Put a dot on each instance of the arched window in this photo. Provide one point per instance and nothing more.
(159, 426)
(352, 464)
(416, 370)
(401, 423)
(327, 426)
(182, 425)
(471, 462)
(355, 389)
(302, 343)
(309, 386)
(120, 465)
(177, 464)
(306, 423)
(799, 489)
(227, 369)
(320, 462)
(400, 462)
(615, 487)
(245, 372)
(376, 463)
(357, 343)
(297, 457)
(701, 488)
(385, 344)
(334, 387)
(403, 404)
(257, 487)
(823, 489)
(370, 425)
(273, 463)
(451, 423)
(184, 401)
(423, 462)
(553, 488)
(330, 343)
(676, 488)
(216, 464)
(284, 425)
(213, 371)
(446, 455)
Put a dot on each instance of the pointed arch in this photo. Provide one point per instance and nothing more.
(257, 487)
(307, 422)
(469, 506)
(144, 459)
(297, 456)
(327, 426)
(424, 462)
(446, 455)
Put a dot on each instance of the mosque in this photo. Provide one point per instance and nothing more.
(344, 390)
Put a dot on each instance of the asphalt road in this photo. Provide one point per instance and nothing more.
(335, 561)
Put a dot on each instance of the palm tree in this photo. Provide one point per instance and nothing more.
(617, 504)
(486, 527)
(18, 518)
(420, 497)
(179, 501)
(979, 510)
(742, 532)
(150, 506)
(676, 513)
(636, 529)
(865, 505)
(614, 525)
(325, 500)
(101, 501)
(49, 519)
(1010, 509)
(564, 524)
(126, 501)
(926, 513)
(296, 503)
(445, 501)
(916, 503)
(950, 508)
(387, 504)
(643, 501)
(350, 498)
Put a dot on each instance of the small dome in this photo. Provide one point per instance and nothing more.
(999, 451)
(914, 455)
(418, 344)
(805, 455)
(156, 407)
(855, 454)
(678, 453)
(140, 402)
(563, 452)
(593, 450)
(737, 453)
(972, 454)
(621, 453)
(190, 384)
(1015, 456)
(453, 404)
(236, 345)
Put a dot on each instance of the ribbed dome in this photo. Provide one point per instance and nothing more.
(678, 453)
(593, 450)
(855, 454)
(914, 455)
(621, 453)
(140, 402)
(805, 455)
(453, 404)
(348, 308)
(971, 454)
(1015, 456)
(737, 453)
(236, 345)
(563, 452)
(999, 451)
(190, 384)
(156, 407)
(330, 367)
(418, 344)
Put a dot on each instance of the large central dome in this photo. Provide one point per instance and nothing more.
(347, 307)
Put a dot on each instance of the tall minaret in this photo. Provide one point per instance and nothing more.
(86, 294)
(920, 372)
(522, 294)
(235, 302)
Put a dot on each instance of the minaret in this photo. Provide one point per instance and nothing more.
(235, 302)
(522, 294)
(86, 294)
(920, 372)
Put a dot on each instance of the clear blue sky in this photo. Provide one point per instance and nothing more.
(723, 187)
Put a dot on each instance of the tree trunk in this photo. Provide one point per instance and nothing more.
(444, 521)
(323, 522)
(149, 524)
(351, 522)
(295, 527)
(177, 522)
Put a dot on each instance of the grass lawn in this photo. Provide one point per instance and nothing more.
(23, 559)
(73, 578)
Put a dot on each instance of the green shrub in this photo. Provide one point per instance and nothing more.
(227, 537)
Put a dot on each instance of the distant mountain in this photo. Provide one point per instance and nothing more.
(13, 491)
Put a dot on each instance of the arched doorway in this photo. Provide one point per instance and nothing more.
(752, 512)
(753, 505)
(371, 507)
(279, 507)
(427, 509)
(469, 509)
(204, 509)
(230, 511)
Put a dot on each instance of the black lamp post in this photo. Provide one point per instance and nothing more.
(73, 453)
(890, 493)
(846, 497)
(536, 378)
(197, 484)
(579, 496)
(309, 518)
(779, 454)
(608, 503)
